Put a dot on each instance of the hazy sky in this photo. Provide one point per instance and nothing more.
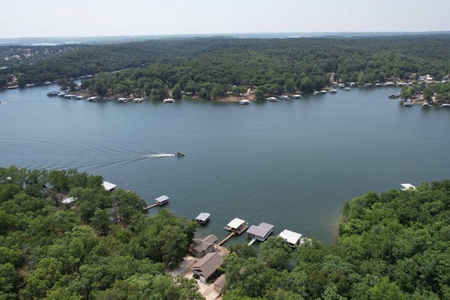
(48, 18)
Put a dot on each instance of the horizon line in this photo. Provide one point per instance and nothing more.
(229, 34)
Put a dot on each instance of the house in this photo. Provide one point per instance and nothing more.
(219, 284)
(108, 186)
(68, 200)
(260, 232)
(293, 238)
(201, 247)
(206, 268)
(161, 200)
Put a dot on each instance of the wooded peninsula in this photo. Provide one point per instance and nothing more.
(211, 68)
(393, 245)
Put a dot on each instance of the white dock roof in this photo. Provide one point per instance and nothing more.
(290, 236)
(108, 185)
(407, 186)
(236, 223)
(162, 198)
(203, 216)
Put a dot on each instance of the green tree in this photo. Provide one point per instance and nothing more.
(307, 85)
(243, 250)
(405, 93)
(176, 92)
(275, 252)
(289, 86)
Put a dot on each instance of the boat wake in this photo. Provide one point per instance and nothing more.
(161, 155)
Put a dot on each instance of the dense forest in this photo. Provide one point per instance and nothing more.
(215, 67)
(393, 245)
(105, 247)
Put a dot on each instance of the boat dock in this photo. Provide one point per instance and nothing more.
(151, 206)
(160, 201)
(251, 242)
(226, 239)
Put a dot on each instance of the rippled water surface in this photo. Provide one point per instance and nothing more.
(291, 163)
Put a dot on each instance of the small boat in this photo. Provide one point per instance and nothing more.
(244, 102)
(53, 93)
(426, 104)
(179, 154)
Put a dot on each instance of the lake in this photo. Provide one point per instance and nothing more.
(291, 163)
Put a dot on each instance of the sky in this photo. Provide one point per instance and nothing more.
(80, 18)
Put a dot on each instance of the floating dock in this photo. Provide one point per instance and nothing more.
(160, 201)
(236, 226)
(226, 239)
(151, 206)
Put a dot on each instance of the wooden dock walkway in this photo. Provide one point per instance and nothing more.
(226, 239)
(151, 206)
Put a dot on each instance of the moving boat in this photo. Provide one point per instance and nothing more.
(179, 154)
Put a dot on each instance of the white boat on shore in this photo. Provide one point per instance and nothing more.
(244, 102)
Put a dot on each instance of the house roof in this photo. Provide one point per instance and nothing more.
(203, 216)
(210, 239)
(108, 185)
(290, 236)
(220, 282)
(208, 264)
(262, 229)
(202, 245)
(236, 223)
(68, 200)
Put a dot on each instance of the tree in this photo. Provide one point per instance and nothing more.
(101, 221)
(243, 250)
(176, 92)
(405, 93)
(386, 290)
(250, 275)
(307, 85)
(275, 252)
(289, 85)
(214, 93)
(127, 204)
(8, 280)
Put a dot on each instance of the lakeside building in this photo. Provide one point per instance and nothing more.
(161, 200)
(108, 186)
(407, 186)
(206, 268)
(203, 218)
(293, 238)
(260, 232)
(201, 247)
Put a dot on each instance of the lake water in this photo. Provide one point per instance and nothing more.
(291, 163)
